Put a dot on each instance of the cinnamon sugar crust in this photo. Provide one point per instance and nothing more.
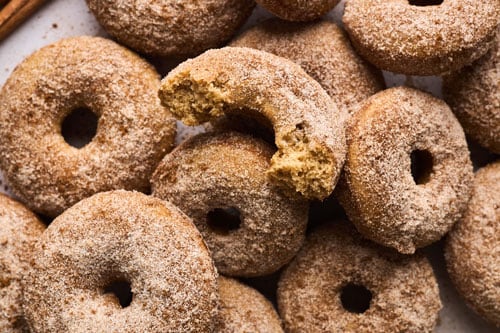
(421, 40)
(169, 27)
(473, 94)
(133, 133)
(19, 231)
(324, 51)
(308, 127)
(244, 309)
(298, 10)
(121, 236)
(404, 290)
(378, 190)
(224, 171)
(472, 250)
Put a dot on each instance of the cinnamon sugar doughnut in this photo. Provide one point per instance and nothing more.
(323, 50)
(340, 282)
(421, 37)
(473, 94)
(170, 27)
(133, 131)
(219, 180)
(298, 10)
(121, 238)
(473, 247)
(308, 127)
(244, 309)
(19, 230)
(378, 191)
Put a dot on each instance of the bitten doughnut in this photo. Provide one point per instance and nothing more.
(323, 50)
(340, 282)
(219, 180)
(170, 27)
(419, 37)
(92, 74)
(19, 230)
(308, 127)
(472, 250)
(122, 239)
(473, 94)
(408, 174)
(298, 10)
(243, 309)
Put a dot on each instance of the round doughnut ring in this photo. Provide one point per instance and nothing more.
(472, 251)
(219, 180)
(309, 129)
(473, 95)
(171, 27)
(133, 131)
(408, 174)
(124, 241)
(340, 282)
(323, 50)
(19, 230)
(422, 37)
(244, 309)
(298, 10)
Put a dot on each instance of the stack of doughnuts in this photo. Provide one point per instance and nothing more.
(145, 235)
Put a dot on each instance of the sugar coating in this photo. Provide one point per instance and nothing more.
(134, 131)
(19, 230)
(217, 171)
(421, 40)
(405, 295)
(323, 50)
(298, 10)
(473, 247)
(308, 127)
(129, 236)
(473, 94)
(244, 309)
(378, 191)
(171, 27)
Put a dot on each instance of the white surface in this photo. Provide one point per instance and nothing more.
(65, 18)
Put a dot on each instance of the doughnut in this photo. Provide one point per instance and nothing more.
(126, 239)
(340, 282)
(19, 230)
(308, 128)
(133, 134)
(473, 95)
(219, 180)
(408, 175)
(421, 37)
(169, 27)
(472, 249)
(323, 50)
(243, 309)
(298, 10)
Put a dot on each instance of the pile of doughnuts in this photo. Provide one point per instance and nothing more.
(141, 234)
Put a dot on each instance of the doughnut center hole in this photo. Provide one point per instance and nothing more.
(421, 166)
(355, 298)
(79, 127)
(224, 220)
(425, 2)
(122, 290)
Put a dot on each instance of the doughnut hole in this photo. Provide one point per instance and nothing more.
(425, 2)
(79, 127)
(121, 290)
(355, 298)
(224, 220)
(422, 164)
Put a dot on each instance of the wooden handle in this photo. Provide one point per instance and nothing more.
(14, 12)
